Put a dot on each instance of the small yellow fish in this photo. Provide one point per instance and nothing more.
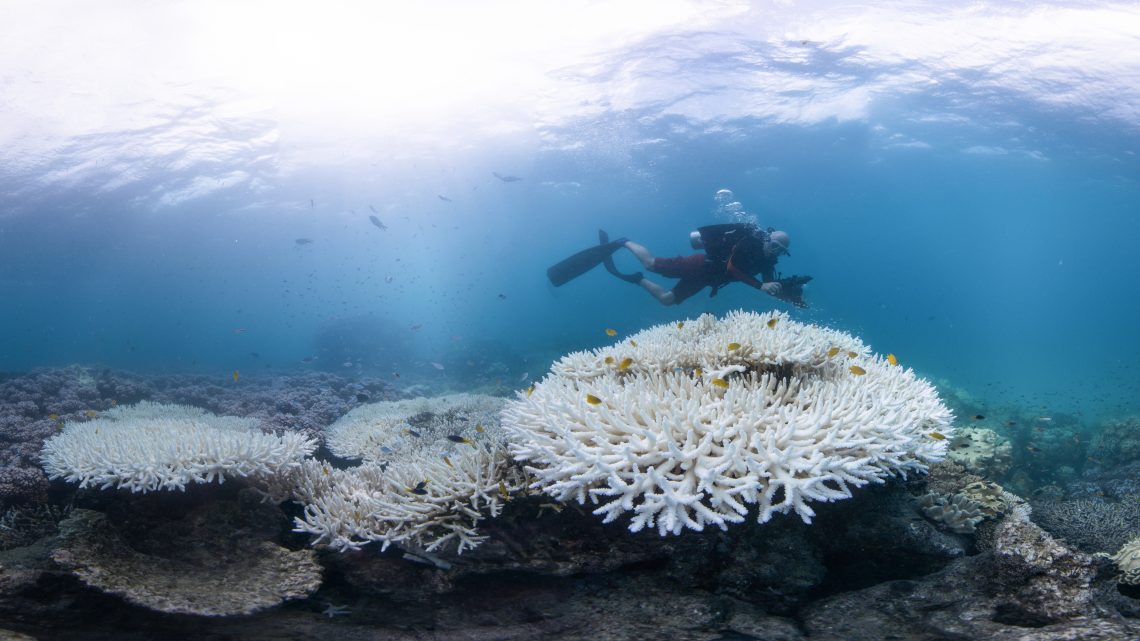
(851, 354)
(625, 363)
(856, 370)
(91, 413)
(114, 403)
(680, 324)
(732, 347)
(609, 360)
(593, 400)
(633, 342)
(772, 323)
(236, 376)
(479, 428)
(698, 372)
(503, 490)
(892, 360)
(720, 382)
(53, 416)
(832, 352)
(530, 390)
(448, 461)
(938, 436)
(611, 331)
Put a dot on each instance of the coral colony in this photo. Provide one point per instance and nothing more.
(690, 424)
(680, 426)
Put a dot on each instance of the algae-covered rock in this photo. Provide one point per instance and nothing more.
(204, 563)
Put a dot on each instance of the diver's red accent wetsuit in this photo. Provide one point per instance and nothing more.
(697, 271)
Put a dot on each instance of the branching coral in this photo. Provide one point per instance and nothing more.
(690, 424)
(434, 468)
(150, 447)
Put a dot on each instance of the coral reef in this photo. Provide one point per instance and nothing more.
(388, 430)
(207, 563)
(685, 425)
(981, 451)
(25, 524)
(1091, 525)
(22, 485)
(434, 468)
(956, 512)
(149, 446)
(1039, 579)
(1116, 442)
(1127, 560)
(33, 407)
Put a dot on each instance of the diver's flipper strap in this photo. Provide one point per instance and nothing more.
(604, 239)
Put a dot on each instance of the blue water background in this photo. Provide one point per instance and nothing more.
(993, 251)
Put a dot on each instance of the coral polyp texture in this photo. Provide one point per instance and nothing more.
(693, 423)
(148, 447)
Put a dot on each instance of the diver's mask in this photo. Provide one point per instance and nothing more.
(777, 242)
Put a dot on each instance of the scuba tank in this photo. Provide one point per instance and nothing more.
(718, 240)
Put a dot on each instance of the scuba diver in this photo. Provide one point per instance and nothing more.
(732, 252)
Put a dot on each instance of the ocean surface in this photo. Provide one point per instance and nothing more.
(968, 203)
(961, 184)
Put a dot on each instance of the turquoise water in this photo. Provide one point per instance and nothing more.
(961, 184)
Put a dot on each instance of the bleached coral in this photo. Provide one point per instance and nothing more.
(434, 468)
(382, 431)
(1127, 559)
(152, 447)
(709, 417)
(420, 502)
(981, 451)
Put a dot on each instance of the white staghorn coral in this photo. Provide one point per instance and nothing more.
(710, 417)
(151, 447)
(433, 469)
(422, 501)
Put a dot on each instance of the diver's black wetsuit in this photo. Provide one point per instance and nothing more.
(733, 252)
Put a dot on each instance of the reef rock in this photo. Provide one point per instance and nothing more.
(205, 563)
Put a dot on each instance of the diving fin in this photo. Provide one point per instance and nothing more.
(583, 261)
(634, 278)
